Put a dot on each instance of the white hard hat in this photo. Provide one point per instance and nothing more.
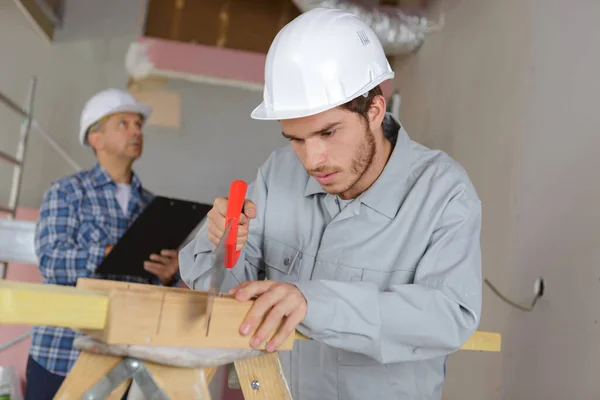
(106, 102)
(324, 58)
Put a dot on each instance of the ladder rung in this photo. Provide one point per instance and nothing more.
(6, 209)
(9, 158)
(14, 106)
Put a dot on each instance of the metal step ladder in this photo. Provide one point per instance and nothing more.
(16, 236)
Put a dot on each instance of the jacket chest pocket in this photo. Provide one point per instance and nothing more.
(282, 261)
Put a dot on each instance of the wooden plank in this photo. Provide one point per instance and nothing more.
(133, 317)
(129, 313)
(182, 322)
(210, 373)
(87, 371)
(108, 285)
(484, 341)
(174, 317)
(479, 341)
(28, 304)
(37, 17)
(262, 378)
(165, 316)
(101, 284)
(180, 383)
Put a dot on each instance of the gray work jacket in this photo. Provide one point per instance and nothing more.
(392, 279)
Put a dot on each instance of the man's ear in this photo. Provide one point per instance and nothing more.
(377, 112)
(96, 140)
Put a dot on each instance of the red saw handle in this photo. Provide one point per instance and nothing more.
(235, 203)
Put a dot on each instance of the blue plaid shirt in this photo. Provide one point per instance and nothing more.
(79, 217)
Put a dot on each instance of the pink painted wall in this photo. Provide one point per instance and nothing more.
(211, 61)
(16, 356)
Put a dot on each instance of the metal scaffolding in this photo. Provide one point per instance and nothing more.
(18, 161)
(17, 236)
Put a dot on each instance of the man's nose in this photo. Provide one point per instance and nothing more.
(135, 130)
(316, 154)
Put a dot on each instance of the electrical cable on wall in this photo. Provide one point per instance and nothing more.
(538, 289)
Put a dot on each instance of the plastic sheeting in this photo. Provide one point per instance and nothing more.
(17, 241)
(398, 32)
(10, 388)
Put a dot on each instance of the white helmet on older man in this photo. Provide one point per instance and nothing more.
(322, 59)
(107, 102)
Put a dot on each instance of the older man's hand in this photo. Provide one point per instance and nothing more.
(163, 265)
(281, 305)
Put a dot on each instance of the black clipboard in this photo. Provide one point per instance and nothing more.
(164, 224)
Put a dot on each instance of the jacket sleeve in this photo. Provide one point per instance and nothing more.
(62, 259)
(195, 259)
(431, 317)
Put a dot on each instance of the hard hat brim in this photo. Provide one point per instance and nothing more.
(261, 112)
(143, 109)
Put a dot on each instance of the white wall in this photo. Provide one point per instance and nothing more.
(463, 93)
(217, 142)
(510, 89)
(554, 352)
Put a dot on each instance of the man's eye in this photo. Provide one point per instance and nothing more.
(329, 133)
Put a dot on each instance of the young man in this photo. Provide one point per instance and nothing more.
(82, 217)
(354, 235)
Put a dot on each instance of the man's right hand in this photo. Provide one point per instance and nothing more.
(216, 221)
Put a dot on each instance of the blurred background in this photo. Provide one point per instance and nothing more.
(509, 88)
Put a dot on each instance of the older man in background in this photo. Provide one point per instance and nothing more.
(82, 217)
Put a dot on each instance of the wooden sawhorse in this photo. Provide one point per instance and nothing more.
(104, 372)
(137, 318)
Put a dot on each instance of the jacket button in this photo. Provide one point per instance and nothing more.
(286, 262)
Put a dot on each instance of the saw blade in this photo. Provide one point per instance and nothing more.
(217, 277)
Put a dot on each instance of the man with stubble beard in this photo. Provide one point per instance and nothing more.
(354, 235)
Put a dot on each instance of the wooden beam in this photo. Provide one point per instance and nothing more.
(152, 315)
(181, 383)
(174, 315)
(262, 378)
(39, 304)
(137, 314)
(87, 371)
(484, 341)
(38, 18)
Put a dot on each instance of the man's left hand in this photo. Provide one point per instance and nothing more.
(163, 265)
(275, 301)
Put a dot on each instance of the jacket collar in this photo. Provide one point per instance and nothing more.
(387, 192)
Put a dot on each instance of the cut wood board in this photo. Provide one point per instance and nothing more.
(262, 378)
(137, 314)
(180, 323)
(34, 303)
(87, 371)
(38, 19)
(147, 315)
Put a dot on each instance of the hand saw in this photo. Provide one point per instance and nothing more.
(225, 255)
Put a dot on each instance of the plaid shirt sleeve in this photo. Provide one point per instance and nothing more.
(62, 259)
